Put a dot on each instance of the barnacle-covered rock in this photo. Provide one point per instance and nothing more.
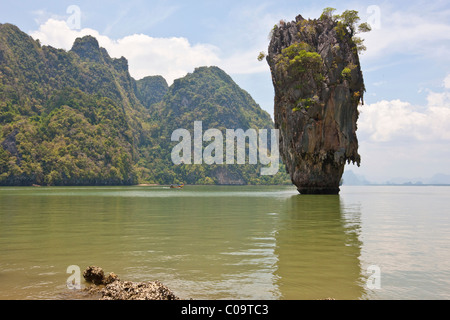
(112, 288)
(94, 274)
(128, 290)
(110, 278)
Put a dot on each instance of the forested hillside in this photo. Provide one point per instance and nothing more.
(211, 96)
(77, 117)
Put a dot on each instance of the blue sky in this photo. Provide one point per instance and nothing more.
(404, 126)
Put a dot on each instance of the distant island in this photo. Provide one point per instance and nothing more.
(78, 118)
(349, 178)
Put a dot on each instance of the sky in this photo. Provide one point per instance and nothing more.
(404, 124)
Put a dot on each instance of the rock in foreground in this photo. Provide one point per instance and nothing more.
(318, 85)
(128, 290)
(112, 288)
(94, 274)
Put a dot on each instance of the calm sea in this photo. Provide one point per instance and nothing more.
(224, 242)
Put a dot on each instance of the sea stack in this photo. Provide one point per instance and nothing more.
(318, 86)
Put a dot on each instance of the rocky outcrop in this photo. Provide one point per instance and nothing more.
(10, 144)
(151, 90)
(112, 288)
(128, 290)
(96, 275)
(318, 85)
(225, 177)
(87, 48)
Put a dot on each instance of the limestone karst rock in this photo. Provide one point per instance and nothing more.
(318, 85)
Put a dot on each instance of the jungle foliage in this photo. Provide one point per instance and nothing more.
(77, 117)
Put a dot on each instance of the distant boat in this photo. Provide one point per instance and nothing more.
(177, 186)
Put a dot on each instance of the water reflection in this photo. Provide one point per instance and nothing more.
(318, 249)
(204, 242)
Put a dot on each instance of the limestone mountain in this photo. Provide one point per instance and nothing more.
(77, 117)
(211, 96)
(66, 118)
(150, 90)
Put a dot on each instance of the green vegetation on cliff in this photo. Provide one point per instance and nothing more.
(151, 90)
(211, 96)
(347, 23)
(66, 118)
(78, 118)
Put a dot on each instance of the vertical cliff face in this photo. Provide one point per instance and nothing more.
(318, 85)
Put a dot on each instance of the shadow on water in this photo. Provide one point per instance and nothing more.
(318, 249)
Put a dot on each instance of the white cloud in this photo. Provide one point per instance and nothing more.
(379, 83)
(244, 63)
(170, 57)
(447, 82)
(42, 15)
(397, 138)
(385, 120)
(398, 120)
(57, 33)
(408, 33)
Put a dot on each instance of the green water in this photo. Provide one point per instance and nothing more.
(224, 242)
